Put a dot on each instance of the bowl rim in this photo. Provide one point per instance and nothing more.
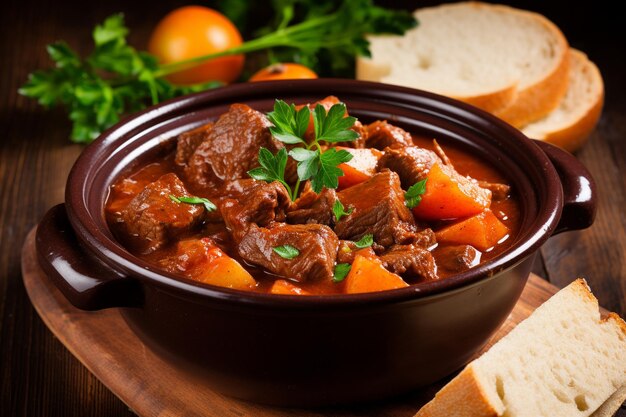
(117, 258)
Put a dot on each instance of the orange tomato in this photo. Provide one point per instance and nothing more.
(193, 31)
(283, 71)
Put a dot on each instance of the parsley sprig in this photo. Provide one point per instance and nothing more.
(339, 211)
(208, 205)
(315, 163)
(413, 195)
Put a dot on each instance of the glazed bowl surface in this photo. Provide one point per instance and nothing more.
(315, 350)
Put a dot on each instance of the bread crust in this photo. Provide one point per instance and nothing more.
(461, 397)
(575, 135)
(540, 98)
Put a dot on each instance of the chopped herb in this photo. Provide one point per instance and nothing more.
(287, 251)
(365, 242)
(413, 196)
(341, 271)
(208, 205)
(272, 168)
(339, 210)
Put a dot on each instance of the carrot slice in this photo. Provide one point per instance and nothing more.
(483, 231)
(285, 287)
(449, 195)
(369, 275)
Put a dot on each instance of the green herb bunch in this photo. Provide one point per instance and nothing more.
(116, 79)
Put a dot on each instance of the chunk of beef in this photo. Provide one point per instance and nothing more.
(455, 259)
(411, 260)
(311, 207)
(381, 135)
(499, 191)
(317, 245)
(411, 163)
(261, 204)
(378, 210)
(231, 147)
(151, 218)
(188, 142)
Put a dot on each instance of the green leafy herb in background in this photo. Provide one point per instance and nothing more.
(116, 79)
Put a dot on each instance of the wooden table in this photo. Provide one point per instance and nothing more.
(39, 377)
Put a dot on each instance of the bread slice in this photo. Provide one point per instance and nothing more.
(570, 124)
(504, 60)
(563, 361)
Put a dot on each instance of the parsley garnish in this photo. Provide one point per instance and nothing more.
(339, 210)
(314, 163)
(341, 271)
(287, 251)
(413, 196)
(208, 205)
(365, 242)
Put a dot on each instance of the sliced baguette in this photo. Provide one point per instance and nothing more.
(570, 124)
(507, 61)
(563, 361)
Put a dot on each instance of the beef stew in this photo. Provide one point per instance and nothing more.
(197, 212)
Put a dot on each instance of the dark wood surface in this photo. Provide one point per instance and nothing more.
(40, 377)
(105, 344)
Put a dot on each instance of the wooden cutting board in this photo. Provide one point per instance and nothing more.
(103, 342)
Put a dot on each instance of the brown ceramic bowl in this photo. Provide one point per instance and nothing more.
(315, 350)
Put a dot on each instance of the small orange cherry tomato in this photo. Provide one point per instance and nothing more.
(283, 71)
(193, 31)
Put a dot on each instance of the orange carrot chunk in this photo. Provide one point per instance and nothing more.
(483, 231)
(369, 275)
(450, 195)
(285, 287)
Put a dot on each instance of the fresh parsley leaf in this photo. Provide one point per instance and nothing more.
(286, 251)
(365, 242)
(289, 124)
(208, 205)
(413, 195)
(341, 271)
(333, 127)
(328, 172)
(339, 211)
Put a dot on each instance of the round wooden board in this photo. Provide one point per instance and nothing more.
(103, 342)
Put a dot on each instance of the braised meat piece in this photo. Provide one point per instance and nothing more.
(499, 191)
(261, 204)
(231, 147)
(311, 207)
(378, 210)
(151, 218)
(381, 135)
(455, 259)
(411, 163)
(188, 142)
(317, 246)
(410, 260)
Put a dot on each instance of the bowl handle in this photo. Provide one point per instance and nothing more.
(579, 189)
(86, 282)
